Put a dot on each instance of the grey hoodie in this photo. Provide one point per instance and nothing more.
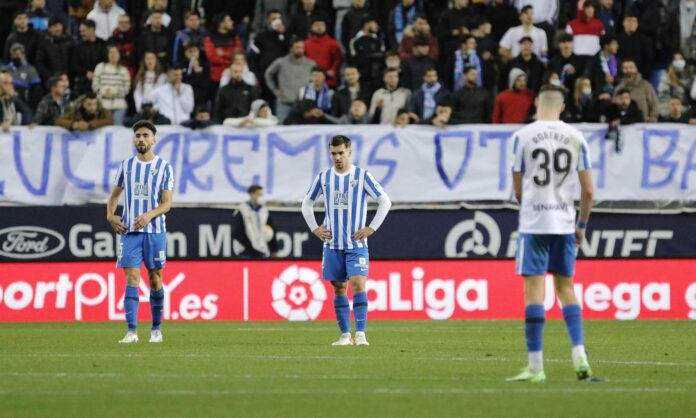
(515, 73)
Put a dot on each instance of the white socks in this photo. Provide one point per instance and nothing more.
(536, 361)
(578, 353)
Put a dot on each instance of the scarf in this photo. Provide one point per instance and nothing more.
(399, 20)
(429, 99)
(255, 221)
(459, 64)
(323, 101)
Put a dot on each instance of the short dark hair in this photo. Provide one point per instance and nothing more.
(351, 66)
(623, 90)
(145, 124)
(219, 18)
(391, 53)
(318, 69)
(429, 69)
(367, 19)
(191, 13)
(53, 81)
(390, 70)
(565, 37)
(89, 23)
(254, 188)
(90, 95)
(297, 39)
(54, 20)
(421, 16)
(606, 40)
(525, 8)
(420, 41)
(468, 68)
(338, 140)
(628, 59)
(270, 12)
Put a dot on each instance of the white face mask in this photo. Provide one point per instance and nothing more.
(555, 82)
(261, 201)
(470, 52)
(679, 64)
(586, 91)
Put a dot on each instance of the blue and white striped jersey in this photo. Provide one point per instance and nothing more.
(143, 182)
(345, 201)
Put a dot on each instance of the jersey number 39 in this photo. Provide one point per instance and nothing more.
(561, 165)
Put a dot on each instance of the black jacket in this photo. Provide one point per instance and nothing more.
(234, 100)
(412, 71)
(48, 110)
(85, 58)
(450, 20)
(627, 117)
(239, 234)
(471, 105)
(417, 104)
(200, 82)
(53, 56)
(29, 39)
(269, 45)
(351, 24)
(341, 102)
(534, 68)
(367, 53)
(158, 42)
(590, 112)
(558, 62)
(639, 48)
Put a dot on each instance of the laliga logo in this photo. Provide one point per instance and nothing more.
(474, 232)
(298, 294)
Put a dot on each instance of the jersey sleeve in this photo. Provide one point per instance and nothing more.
(168, 180)
(119, 181)
(518, 155)
(315, 189)
(372, 187)
(584, 156)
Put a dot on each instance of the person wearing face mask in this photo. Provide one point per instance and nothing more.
(677, 81)
(584, 105)
(253, 227)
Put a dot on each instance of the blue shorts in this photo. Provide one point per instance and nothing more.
(538, 254)
(340, 265)
(138, 247)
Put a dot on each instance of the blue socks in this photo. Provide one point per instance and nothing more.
(130, 303)
(573, 319)
(156, 307)
(360, 311)
(342, 309)
(534, 327)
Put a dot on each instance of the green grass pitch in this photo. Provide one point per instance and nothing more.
(412, 369)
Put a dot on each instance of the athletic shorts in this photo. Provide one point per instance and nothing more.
(138, 247)
(340, 265)
(538, 254)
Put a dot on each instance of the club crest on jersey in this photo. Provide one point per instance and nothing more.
(153, 172)
(353, 183)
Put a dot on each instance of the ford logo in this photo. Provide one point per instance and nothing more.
(27, 242)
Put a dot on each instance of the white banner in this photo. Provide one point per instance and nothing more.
(50, 166)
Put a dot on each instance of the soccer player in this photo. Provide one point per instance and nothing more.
(148, 181)
(345, 188)
(547, 154)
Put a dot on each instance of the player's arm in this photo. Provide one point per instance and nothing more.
(163, 207)
(517, 185)
(517, 168)
(111, 216)
(376, 192)
(308, 210)
(586, 194)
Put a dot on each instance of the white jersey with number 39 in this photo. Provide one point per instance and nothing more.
(549, 154)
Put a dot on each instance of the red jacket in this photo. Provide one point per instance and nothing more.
(325, 51)
(228, 45)
(512, 106)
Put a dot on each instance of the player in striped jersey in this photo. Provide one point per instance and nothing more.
(345, 188)
(148, 182)
(548, 155)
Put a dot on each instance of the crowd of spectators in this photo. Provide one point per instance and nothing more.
(83, 64)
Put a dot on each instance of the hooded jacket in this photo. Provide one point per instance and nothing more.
(325, 51)
(511, 105)
(227, 43)
(101, 118)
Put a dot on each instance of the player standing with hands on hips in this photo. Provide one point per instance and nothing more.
(547, 154)
(149, 183)
(345, 188)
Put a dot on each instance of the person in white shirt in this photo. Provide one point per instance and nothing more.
(149, 76)
(174, 99)
(238, 58)
(105, 15)
(509, 44)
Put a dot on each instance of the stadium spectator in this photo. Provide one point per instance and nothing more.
(654, 20)
(442, 116)
(624, 110)
(239, 59)
(357, 115)
(253, 226)
(367, 50)
(174, 99)
(387, 101)
(586, 30)
(220, 47)
(401, 16)
(453, 24)
(77, 12)
(155, 37)
(25, 76)
(510, 42)
(161, 7)
(635, 46)
(111, 83)
(412, 70)
(22, 34)
(201, 119)
(503, 16)
(353, 89)
(149, 75)
(677, 81)
(196, 74)
(419, 29)
(300, 22)
(263, 9)
(514, 104)
(286, 75)
(192, 34)
(641, 91)
(471, 103)
(545, 15)
(528, 61)
(391, 60)
(318, 90)
(306, 113)
(465, 56)
(676, 113)
(105, 16)
(87, 115)
(234, 99)
(425, 97)
(89, 52)
(609, 13)
(353, 21)
(178, 9)
(268, 46)
(124, 39)
(38, 15)
(603, 68)
(54, 50)
(324, 50)
(14, 111)
(149, 113)
(584, 105)
(404, 118)
(260, 116)
(52, 105)
(568, 65)
(682, 24)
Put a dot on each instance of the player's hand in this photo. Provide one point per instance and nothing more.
(363, 233)
(117, 224)
(579, 235)
(142, 221)
(322, 233)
